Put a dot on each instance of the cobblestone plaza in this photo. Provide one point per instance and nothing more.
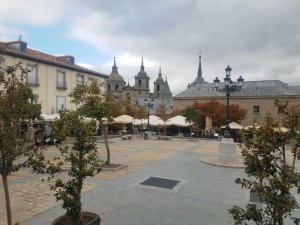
(203, 194)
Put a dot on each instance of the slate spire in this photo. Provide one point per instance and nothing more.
(114, 67)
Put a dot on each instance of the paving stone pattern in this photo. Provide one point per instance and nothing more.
(110, 191)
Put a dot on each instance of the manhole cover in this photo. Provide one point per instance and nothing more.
(160, 182)
(255, 198)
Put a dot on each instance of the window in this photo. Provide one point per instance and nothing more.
(79, 105)
(61, 80)
(1, 63)
(35, 99)
(158, 87)
(79, 79)
(1, 67)
(109, 87)
(32, 78)
(139, 83)
(255, 109)
(117, 87)
(60, 103)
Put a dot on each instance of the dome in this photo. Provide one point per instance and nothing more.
(160, 79)
(115, 77)
(142, 72)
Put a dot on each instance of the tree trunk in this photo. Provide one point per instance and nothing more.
(7, 200)
(280, 221)
(106, 144)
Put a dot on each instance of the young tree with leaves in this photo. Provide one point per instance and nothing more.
(271, 177)
(192, 116)
(127, 108)
(81, 158)
(141, 113)
(162, 112)
(175, 112)
(94, 103)
(16, 114)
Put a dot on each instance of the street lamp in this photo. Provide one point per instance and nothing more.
(148, 104)
(228, 88)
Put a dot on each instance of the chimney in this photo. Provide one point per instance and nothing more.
(67, 59)
(19, 45)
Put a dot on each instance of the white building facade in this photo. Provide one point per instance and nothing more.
(52, 78)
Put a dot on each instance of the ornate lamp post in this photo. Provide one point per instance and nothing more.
(148, 104)
(229, 87)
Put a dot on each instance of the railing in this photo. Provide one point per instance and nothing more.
(33, 81)
(61, 85)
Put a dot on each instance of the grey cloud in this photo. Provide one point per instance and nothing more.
(251, 35)
(259, 39)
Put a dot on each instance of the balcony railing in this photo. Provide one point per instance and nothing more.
(61, 85)
(32, 81)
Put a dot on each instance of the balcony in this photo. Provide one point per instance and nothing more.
(61, 85)
(32, 81)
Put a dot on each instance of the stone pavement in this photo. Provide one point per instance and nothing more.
(203, 196)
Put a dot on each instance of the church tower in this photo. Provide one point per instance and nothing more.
(167, 91)
(199, 79)
(161, 87)
(115, 82)
(142, 82)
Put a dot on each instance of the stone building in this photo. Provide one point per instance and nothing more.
(115, 82)
(161, 87)
(257, 97)
(117, 87)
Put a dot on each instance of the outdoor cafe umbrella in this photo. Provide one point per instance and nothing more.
(254, 125)
(234, 126)
(178, 121)
(123, 119)
(153, 120)
(50, 117)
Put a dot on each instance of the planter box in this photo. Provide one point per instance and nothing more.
(88, 218)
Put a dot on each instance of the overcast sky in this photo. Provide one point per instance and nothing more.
(259, 39)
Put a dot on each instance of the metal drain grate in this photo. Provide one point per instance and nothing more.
(160, 182)
(255, 198)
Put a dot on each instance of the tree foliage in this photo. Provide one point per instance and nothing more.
(193, 117)
(81, 159)
(175, 112)
(94, 103)
(128, 108)
(140, 112)
(217, 111)
(271, 177)
(16, 114)
(162, 112)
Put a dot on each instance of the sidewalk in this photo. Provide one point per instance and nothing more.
(203, 195)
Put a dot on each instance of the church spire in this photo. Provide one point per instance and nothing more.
(199, 76)
(114, 67)
(159, 73)
(142, 65)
